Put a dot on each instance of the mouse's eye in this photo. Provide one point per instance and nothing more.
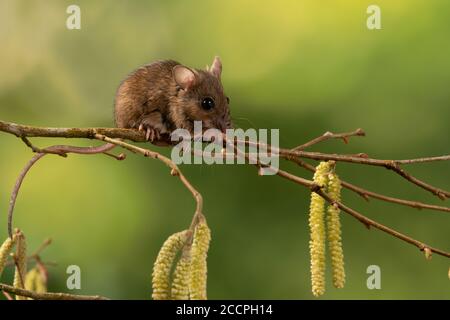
(228, 100)
(208, 103)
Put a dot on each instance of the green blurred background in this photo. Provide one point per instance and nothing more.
(304, 67)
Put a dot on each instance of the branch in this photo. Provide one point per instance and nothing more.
(87, 133)
(137, 136)
(360, 158)
(47, 295)
(366, 221)
(15, 192)
(359, 132)
(393, 165)
(42, 247)
(7, 295)
(366, 194)
(108, 135)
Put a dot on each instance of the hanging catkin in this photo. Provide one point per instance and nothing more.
(181, 276)
(34, 281)
(334, 232)
(163, 265)
(199, 252)
(5, 249)
(317, 232)
(21, 263)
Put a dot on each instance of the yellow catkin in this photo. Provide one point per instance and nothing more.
(180, 282)
(34, 281)
(334, 232)
(317, 231)
(163, 265)
(199, 252)
(21, 262)
(30, 279)
(41, 283)
(5, 249)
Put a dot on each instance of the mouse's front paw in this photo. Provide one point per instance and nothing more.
(151, 133)
(153, 126)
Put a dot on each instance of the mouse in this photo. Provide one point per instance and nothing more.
(165, 95)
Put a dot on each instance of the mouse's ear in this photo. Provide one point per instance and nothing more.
(183, 76)
(216, 67)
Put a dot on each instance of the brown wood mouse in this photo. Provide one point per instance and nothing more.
(166, 95)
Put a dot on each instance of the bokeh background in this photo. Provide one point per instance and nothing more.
(304, 67)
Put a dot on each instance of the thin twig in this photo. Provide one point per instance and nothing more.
(361, 158)
(366, 194)
(358, 159)
(7, 295)
(38, 150)
(47, 295)
(388, 164)
(30, 259)
(15, 192)
(329, 135)
(422, 160)
(42, 247)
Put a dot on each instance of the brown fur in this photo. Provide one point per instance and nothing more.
(150, 98)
